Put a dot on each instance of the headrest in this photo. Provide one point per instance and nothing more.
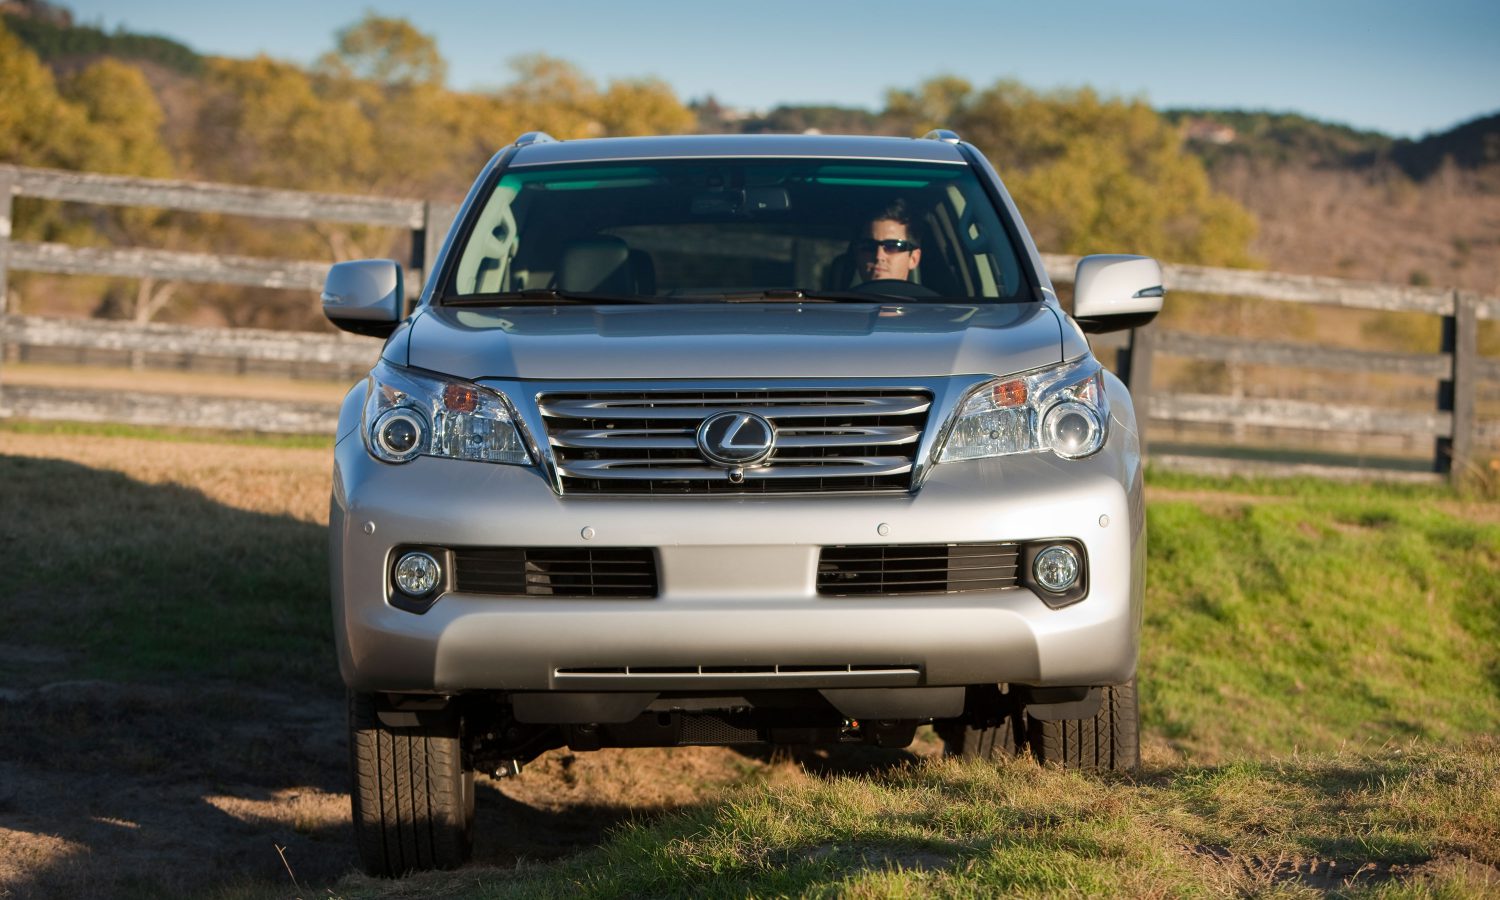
(596, 265)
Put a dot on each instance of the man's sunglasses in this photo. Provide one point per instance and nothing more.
(868, 245)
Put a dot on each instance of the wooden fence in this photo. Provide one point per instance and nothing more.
(1456, 430)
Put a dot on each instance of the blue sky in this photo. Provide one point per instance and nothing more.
(1396, 66)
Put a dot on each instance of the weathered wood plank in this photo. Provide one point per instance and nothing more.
(156, 337)
(198, 196)
(227, 413)
(1294, 288)
(1463, 384)
(1300, 355)
(1225, 468)
(1139, 365)
(1273, 413)
(1113, 340)
(7, 185)
(440, 218)
(167, 265)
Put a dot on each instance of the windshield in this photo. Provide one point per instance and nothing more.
(697, 230)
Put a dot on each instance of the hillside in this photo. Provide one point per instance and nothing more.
(1332, 200)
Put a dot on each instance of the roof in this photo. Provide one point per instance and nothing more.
(739, 146)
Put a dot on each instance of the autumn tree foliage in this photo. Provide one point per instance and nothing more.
(1092, 175)
(373, 116)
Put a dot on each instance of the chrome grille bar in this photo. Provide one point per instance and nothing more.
(645, 442)
(644, 470)
(698, 409)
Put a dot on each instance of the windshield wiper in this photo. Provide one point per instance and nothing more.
(800, 295)
(541, 296)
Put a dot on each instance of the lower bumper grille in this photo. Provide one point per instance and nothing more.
(623, 572)
(917, 569)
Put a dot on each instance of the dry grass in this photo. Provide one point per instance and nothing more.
(1376, 226)
(166, 381)
(270, 480)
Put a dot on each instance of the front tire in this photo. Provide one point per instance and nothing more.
(412, 797)
(1108, 741)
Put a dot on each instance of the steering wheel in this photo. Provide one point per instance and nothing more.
(896, 287)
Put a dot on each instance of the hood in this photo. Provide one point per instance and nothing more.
(733, 340)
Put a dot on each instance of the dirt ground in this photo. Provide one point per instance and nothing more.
(131, 790)
(191, 789)
(110, 790)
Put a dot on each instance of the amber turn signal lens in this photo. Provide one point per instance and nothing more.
(1010, 393)
(459, 398)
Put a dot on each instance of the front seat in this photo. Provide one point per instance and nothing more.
(595, 265)
(839, 274)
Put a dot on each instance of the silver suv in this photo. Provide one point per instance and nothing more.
(721, 440)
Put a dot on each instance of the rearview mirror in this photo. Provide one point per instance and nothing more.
(1114, 292)
(364, 296)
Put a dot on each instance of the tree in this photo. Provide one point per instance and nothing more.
(1090, 175)
(37, 126)
(262, 122)
(124, 121)
(645, 106)
(388, 51)
(123, 117)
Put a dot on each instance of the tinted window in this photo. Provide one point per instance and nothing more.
(710, 229)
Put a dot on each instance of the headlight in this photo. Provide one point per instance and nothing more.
(1061, 408)
(410, 414)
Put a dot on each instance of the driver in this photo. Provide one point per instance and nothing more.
(886, 248)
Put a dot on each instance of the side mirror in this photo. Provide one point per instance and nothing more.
(1114, 292)
(364, 296)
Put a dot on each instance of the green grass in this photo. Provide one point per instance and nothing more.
(1416, 822)
(1308, 616)
(1323, 659)
(174, 435)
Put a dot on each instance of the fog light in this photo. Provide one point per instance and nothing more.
(1056, 568)
(417, 574)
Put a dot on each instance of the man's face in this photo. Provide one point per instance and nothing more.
(877, 262)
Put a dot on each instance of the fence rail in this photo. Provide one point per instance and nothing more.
(1455, 372)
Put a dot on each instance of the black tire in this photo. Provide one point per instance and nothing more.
(413, 799)
(1109, 741)
(995, 742)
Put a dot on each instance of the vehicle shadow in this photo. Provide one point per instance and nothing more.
(833, 761)
(171, 717)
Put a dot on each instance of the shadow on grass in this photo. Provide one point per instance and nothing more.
(172, 721)
(109, 577)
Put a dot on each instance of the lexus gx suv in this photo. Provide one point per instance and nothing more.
(723, 440)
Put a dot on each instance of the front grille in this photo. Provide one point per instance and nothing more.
(645, 442)
(916, 569)
(556, 571)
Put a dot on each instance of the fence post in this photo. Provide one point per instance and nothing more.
(434, 227)
(7, 189)
(1138, 377)
(1455, 454)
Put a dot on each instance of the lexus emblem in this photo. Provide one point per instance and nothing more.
(736, 439)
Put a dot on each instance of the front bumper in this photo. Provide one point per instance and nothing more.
(738, 606)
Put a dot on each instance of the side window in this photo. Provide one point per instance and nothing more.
(980, 230)
(485, 265)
